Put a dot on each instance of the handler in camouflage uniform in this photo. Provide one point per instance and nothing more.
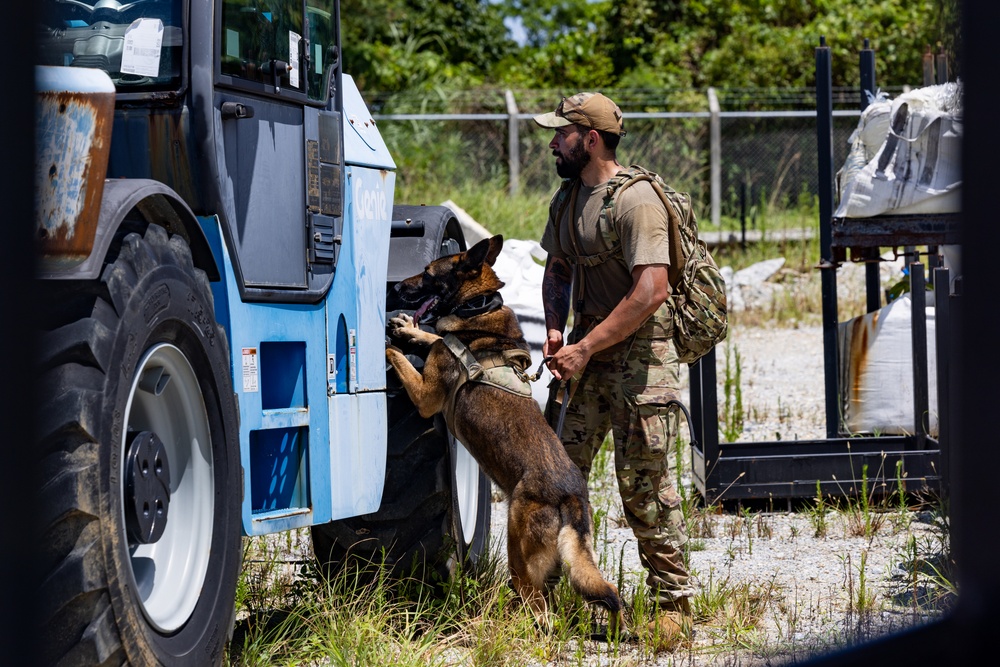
(619, 357)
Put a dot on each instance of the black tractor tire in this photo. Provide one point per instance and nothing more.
(425, 527)
(137, 352)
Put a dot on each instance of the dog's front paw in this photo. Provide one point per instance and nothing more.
(400, 320)
(403, 326)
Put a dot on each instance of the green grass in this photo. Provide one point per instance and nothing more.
(522, 216)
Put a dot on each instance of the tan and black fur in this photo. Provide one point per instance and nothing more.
(549, 520)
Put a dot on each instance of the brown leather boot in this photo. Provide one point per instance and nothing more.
(672, 626)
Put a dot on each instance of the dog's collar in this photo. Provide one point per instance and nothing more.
(484, 303)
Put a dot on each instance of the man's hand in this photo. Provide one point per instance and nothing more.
(553, 342)
(557, 358)
(569, 360)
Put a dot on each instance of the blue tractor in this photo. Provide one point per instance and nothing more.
(217, 238)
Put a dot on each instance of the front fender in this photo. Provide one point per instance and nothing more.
(158, 205)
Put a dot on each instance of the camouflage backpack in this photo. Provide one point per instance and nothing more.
(698, 290)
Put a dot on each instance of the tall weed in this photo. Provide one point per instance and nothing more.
(733, 416)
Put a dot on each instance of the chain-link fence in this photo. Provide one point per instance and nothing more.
(765, 151)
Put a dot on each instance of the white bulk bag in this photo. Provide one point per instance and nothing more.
(876, 364)
(865, 140)
(917, 169)
(522, 292)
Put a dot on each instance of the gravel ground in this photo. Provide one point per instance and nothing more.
(809, 581)
(782, 381)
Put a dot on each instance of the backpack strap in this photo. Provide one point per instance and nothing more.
(678, 217)
(563, 195)
(622, 180)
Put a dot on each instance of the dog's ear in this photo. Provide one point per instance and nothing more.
(484, 252)
(496, 245)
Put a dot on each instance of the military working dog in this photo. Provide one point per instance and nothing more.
(475, 374)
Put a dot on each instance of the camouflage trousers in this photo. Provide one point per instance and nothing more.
(625, 390)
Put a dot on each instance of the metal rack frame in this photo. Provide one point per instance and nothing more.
(842, 464)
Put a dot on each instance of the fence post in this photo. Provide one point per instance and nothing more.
(828, 273)
(513, 144)
(715, 155)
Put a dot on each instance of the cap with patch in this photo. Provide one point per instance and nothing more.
(591, 110)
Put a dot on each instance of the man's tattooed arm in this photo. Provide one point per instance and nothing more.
(556, 283)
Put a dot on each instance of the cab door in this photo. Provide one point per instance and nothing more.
(274, 68)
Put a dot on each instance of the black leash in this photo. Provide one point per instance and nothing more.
(537, 374)
(562, 410)
(687, 415)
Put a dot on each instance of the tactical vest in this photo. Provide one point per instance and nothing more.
(505, 371)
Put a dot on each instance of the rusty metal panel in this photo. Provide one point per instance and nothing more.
(859, 335)
(75, 111)
(896, 230)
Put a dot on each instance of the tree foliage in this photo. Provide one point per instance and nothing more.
(394, 45)
(562, 47)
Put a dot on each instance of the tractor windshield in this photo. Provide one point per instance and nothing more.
(137, 43)
(287, 44)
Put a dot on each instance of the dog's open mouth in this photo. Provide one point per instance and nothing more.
(424, 307)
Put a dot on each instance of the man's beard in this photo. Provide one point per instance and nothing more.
(573, 163)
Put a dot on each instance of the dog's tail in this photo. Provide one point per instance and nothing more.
(577, 551)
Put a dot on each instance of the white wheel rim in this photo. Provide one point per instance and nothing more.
(169, 574)
(467, 490)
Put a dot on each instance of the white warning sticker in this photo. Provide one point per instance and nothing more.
(251, 371)
(293, 58)
(141, 52)
(352, 348)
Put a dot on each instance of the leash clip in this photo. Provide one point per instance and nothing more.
(538, 373)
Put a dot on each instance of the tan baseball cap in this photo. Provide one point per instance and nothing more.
(591, 110)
